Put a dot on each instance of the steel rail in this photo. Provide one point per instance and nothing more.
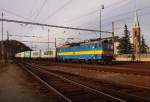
(47, 85)
(142, 87)
(128, 84)
(84, 86)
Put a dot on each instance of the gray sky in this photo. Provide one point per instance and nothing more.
(74, 13)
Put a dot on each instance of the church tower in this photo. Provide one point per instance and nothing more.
(136, 31)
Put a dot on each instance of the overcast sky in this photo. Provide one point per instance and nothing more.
(74, 13)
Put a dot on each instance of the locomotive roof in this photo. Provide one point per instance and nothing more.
(90, 41)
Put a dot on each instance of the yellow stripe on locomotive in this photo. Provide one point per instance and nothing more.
(94, 52)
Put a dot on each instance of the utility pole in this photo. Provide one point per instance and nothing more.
(48, 39)
(55, 43)
(55, 47)
(2, 43)
(102, 7)
(7, 35)
(8, 48)
(113, 33)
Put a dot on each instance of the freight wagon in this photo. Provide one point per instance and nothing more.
(27, 54)
(20, 55)
(36, 54)
(48, 53)
(44, 54)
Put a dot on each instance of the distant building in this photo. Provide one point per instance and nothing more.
(116, 44)
(136, 31)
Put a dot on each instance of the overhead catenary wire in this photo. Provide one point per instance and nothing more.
(110, 18)
(90, 23)
(92, 12)
(25, 36)
(31, 13)
(15, 14)
(130, 12)
(122, 14)
(57, 10)
(40, 10)
(54, 26)
(119, 20)
(35, 41)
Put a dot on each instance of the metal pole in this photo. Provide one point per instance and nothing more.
(102, 7)
(100, 25)
(7, 48)
(113, 32)
(2, 44)
(55, 43)
(48, 39)
(7, 35)
(55, 48)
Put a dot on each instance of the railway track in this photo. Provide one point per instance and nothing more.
(113, 93)
(116, 69)
(124, 92)
(130, 91)
(68, 90)
(121, 84)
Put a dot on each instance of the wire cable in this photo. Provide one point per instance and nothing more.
(15, 14)
(57, 10)
(40, 10)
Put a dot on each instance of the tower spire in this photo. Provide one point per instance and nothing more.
(136, 23)
(136, 33)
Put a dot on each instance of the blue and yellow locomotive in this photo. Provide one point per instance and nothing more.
(86, 51)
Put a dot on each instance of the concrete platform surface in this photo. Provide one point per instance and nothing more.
(16, 85)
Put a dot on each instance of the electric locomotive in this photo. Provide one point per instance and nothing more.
(91, 51)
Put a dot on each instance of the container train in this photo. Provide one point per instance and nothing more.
(74, 52)
(37, 54)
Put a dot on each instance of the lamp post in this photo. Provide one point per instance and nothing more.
(48, 38)
(102, 7)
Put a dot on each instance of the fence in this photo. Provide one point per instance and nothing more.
(135, 57)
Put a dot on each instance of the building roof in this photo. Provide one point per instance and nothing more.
(136, 23)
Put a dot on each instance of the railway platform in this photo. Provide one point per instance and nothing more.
(16, 85)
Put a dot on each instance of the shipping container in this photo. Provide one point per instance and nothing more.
(35, 54)
(27, 54)
(48, 53)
